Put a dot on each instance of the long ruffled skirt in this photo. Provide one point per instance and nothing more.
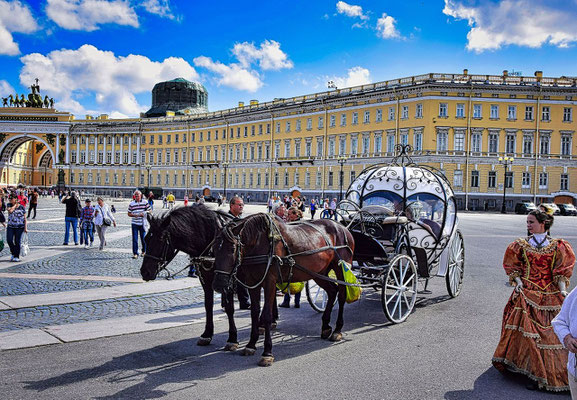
(528, 343)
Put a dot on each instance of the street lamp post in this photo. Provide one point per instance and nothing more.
(505, 162)
(148, 176)
(341, 160)
(225, 166)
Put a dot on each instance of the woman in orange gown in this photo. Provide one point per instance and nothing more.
(539, 267)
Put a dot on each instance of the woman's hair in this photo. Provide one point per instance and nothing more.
(543, 218)
(295, 210)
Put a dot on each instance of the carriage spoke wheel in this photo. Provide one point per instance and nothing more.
(316, 296)
(399, 291)
(456, 268)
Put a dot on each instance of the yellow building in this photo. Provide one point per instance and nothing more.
(459, 123)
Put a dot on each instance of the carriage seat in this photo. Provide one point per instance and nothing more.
(430, 226)
(393, 220)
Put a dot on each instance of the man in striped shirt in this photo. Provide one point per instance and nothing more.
(137, 210)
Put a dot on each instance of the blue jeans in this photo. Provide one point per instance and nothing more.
(137, 230)
(151, 204)
(13, 236)
(88, 231)
(71, 221)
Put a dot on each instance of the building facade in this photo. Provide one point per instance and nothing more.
(317, 144)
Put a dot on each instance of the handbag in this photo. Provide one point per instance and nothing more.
(24, 246)
(106, 221)
(1, 242)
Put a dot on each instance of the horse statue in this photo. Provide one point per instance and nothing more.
(11, 100)
(24, 102)
(46, 101)
(51, 102)
(261, 251)
(4, 101)
(191, 230)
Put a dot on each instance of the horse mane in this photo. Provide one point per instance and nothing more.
(254, 225)
(194, 221)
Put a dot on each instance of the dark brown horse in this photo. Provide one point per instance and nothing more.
(261, 250)
(192, 231)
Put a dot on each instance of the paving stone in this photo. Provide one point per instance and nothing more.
(17, 286)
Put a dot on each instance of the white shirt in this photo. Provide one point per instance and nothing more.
(565, 323)
(103, 212)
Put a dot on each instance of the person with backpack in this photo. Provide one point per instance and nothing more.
(73, 212)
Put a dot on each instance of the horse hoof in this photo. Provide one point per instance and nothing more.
(261, 330)
(266, 361)
(326, 333)
(231, 346)
(247, 351)
(336, 337)
(273, 325)
(202, 341)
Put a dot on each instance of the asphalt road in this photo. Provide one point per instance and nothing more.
(443, 351)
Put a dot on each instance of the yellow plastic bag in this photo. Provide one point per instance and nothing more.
(293, 287)
(353, 292)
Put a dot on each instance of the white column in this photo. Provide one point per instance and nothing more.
(87, 159)
(113, 149)
(104, 150)
(57, 148)
(138, 160)
(78, 149)
(96, 138)
(67, 153)
(129, 161)
(122, 150)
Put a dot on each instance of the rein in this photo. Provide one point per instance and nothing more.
(288, 259)
(164, 260)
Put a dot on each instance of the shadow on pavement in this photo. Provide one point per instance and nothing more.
(510, 387)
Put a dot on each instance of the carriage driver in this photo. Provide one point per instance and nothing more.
(236, 209)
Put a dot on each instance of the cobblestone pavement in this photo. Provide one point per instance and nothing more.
(46, 232)
(91, 262)
(17, 286)
(41, 316)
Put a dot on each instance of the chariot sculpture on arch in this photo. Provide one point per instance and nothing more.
(34, 99)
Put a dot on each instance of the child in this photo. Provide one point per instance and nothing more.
(87, 224)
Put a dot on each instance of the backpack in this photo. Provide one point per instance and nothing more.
(78, 209)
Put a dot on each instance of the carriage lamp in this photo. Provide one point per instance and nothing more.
(505, 162)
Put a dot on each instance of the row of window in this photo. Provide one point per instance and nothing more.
(509, 180)
(238, 179)
(492, 143)
(511, 112)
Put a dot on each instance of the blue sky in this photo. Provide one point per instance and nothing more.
(104, 56)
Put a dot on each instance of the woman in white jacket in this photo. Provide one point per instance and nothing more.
(103, 219)
(565, 326)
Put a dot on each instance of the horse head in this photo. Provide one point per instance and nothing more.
(237, 240)
(159, 247)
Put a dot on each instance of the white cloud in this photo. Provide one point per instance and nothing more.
(6, 89)
(269, 56)
(355, 76)
(87, 15)
(530, 23)
(158, 7)
(71, 75)
(351, 10)
(243, 74)
(232, 75)
(386, 27)
(15, 17)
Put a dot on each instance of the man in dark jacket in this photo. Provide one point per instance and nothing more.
(71, 217)
(236, 209)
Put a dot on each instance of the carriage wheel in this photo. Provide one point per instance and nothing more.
(399, 291)
(317, 296)
(456, 269)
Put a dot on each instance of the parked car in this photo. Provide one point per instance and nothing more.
(567, 209)
(551, 206)
(525, 207)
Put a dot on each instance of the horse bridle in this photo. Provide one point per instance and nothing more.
(164, 259)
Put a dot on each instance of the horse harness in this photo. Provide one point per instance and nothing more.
(275, 235)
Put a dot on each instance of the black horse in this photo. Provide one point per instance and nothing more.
(191, 230)
(262, 250)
